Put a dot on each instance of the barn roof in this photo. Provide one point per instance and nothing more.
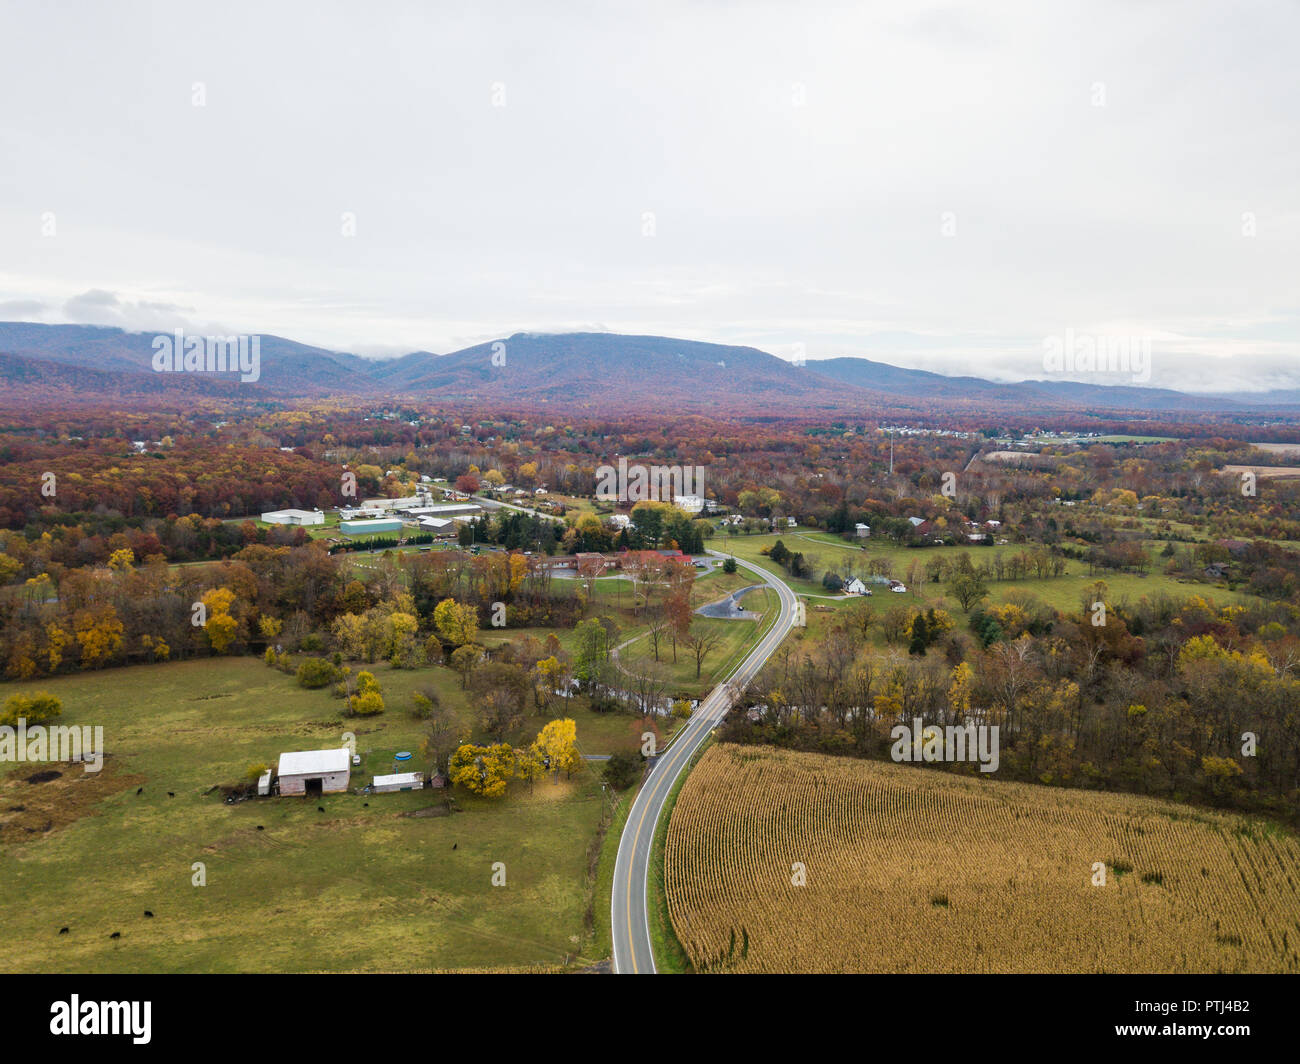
(310, 762)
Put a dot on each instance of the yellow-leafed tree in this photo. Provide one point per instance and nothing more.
(99, 634)
(457, 621)
(484, 770)
(221, 628)
(558, 740)
(528, 766)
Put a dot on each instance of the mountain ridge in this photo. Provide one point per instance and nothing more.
(581, 370)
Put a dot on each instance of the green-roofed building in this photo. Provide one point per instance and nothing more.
(378, 526)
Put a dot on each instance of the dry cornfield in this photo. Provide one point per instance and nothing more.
(914, 870)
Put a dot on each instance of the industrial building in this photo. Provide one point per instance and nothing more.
(372, 527)
(446, 509)
(294, 517)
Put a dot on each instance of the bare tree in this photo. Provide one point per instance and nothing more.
(701, 642)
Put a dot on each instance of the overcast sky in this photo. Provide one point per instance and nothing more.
(937, 186)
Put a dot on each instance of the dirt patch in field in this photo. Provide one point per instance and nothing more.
(44, 777)
(432, 810)
(1025, 457)
(1278, 448)
(1264, 471)
(39, 804)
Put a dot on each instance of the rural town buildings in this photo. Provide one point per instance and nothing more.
(446, 509)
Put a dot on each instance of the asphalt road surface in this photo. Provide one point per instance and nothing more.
(729, 608)
(629, 918)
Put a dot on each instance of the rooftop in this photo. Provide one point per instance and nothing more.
(307, 762)
(398, 778)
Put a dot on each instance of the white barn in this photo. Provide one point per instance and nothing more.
(294, 517)
(315, 771)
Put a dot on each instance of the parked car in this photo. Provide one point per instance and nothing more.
(898, 588)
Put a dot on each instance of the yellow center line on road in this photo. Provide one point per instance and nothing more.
(636, 837)
(718, 692)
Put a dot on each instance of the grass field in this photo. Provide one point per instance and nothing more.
(1132, 439)
(908, 870)
(365, 885)
(736, 637)
(1062, 593)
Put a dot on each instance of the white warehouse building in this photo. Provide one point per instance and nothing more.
(294, 517)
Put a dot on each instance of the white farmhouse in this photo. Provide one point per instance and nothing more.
(856, 587)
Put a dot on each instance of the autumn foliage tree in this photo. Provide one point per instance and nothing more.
(220, 627)
(558, 742)
(457, 622)
(483, 770)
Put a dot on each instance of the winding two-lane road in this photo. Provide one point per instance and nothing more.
(629, 917)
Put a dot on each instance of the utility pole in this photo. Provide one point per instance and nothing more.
(891, 452)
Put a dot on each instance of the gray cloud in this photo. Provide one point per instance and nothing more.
(21, 309)
(98, 306)
(937, 185)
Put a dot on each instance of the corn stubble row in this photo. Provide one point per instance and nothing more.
(909, 870)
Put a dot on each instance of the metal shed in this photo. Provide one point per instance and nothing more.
(400, 781)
